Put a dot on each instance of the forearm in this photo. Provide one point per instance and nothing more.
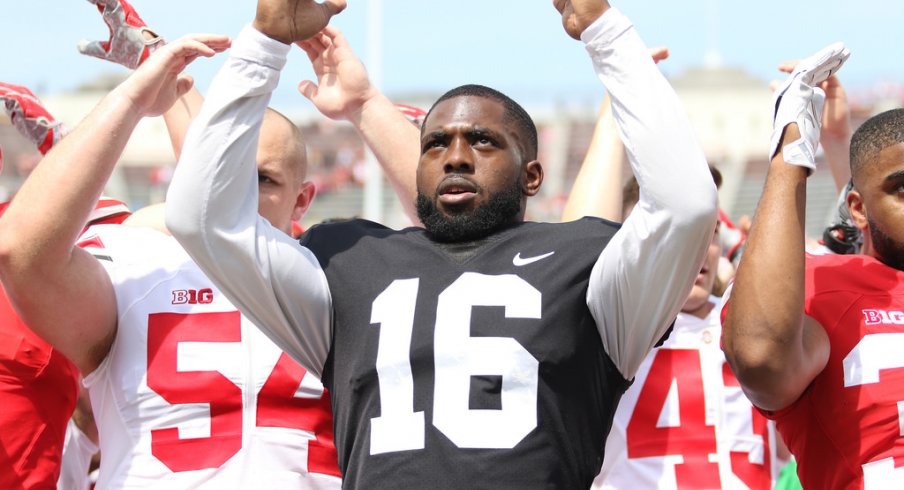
(837, 153)
(763, 334)
(212, 209)
(767, 301)
(836, 131)
(178, 119)
(597, 190)
(395, 143)
(645, 273)
(214, 188)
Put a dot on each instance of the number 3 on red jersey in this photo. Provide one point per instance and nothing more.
(277, 404)
(693, 439)
(863, 366)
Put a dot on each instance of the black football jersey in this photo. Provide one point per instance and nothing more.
(474, 365)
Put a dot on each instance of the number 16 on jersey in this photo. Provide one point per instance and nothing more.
(458, 356)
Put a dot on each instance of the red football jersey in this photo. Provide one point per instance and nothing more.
(38, 389)
(846, 429)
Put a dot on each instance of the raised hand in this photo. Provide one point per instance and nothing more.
(130, 43)
(290, 21)
(157, 84)
(30, 117)
(342, 86)
(799, 100)
(836, 116)
(577, 15)
(836, 132)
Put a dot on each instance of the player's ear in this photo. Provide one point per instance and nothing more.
(531, 177)
(306, 194)
(857, 209)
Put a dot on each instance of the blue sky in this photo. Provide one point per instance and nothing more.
(517, 46)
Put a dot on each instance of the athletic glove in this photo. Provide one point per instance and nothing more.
(799, 100)
(127, 45)
(30, 117)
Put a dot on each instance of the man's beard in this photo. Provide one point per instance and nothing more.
(888, 251)
(502, 209)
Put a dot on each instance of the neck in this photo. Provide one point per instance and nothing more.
(701, 311)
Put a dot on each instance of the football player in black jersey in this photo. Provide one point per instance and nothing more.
(484, 351)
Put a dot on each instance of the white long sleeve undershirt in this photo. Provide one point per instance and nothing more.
(637, 286)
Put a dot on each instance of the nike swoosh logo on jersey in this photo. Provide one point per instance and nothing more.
(518, 261)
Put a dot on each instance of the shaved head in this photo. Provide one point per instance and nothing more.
(283, 193)
(278, 132)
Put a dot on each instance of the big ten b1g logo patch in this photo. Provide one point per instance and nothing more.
(883, 317)
(192, 296)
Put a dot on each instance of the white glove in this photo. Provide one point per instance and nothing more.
(799, 100)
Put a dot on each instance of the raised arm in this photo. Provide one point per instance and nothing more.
(344, 92)
(774, 349)
(597, 190)
(644, 274)
(62, 292)
(212, 204)
(836, 133)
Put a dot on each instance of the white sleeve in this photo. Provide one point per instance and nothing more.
(643, 276)
(78, 450)
(212, 209)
